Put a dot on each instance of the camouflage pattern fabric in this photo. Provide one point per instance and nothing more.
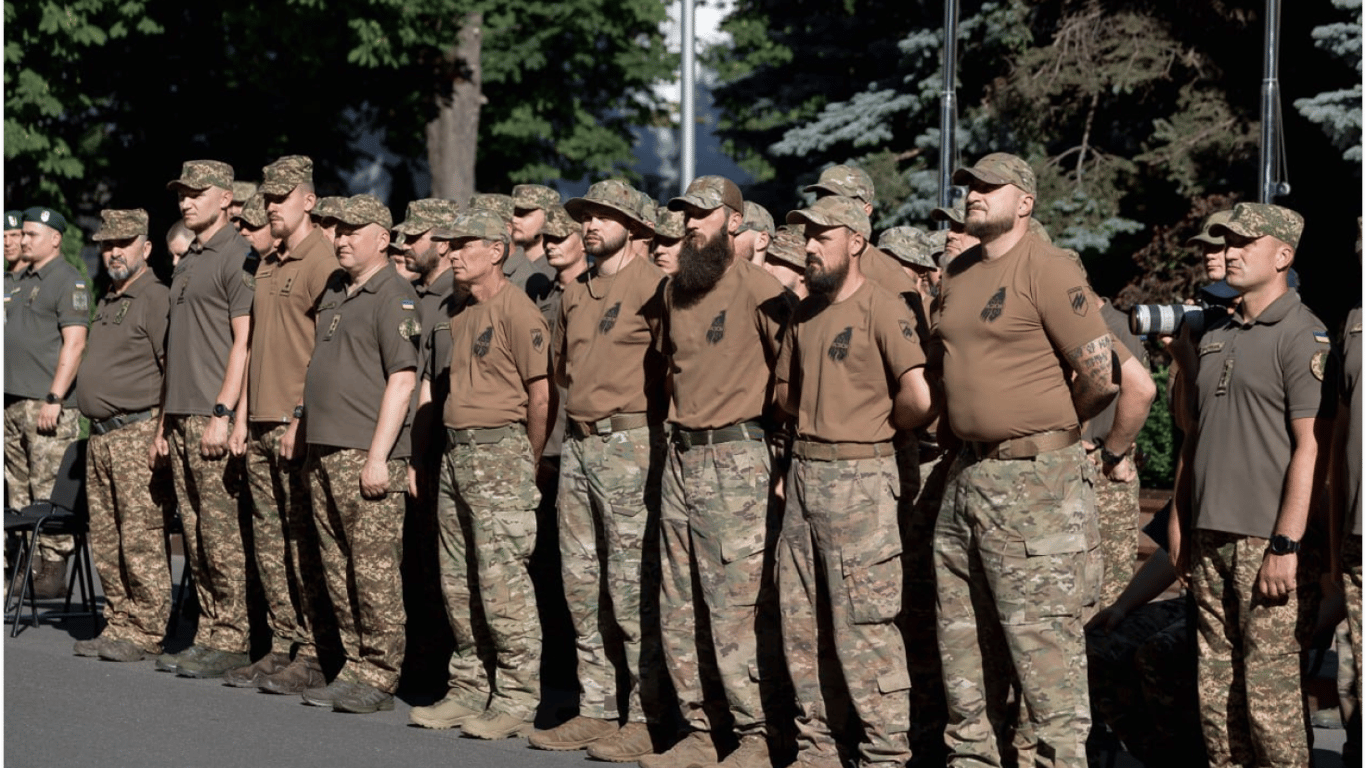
(32, 461)
(608, 515)
(839, 538)
(361, 542)
(1351, 584)
(202, 174)
(1014, 550)
(710, 193)
(998, 168)
(487, 515)
(207, 493)
(929, 710)
(286, 173)
(128, 508)
(1252, 708)
(1260, 219)
(121, 224)
(845, 181)
(1117, 508)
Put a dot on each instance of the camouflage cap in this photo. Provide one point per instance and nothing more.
(909, 245)
(243, 190)
(1205, 237)
(529, 196)
(835, 211)
(710, 193)
(1036, 229)
(499, 204)
(669, 225)
(998, 168)
(47, 216)
(955, 213)
(328, 207)
(202, 174)
(254, 211)
(1260, 219)
(614, 194)
(427, 213)
(845, 181)
(366, 209)
(283, 175)
(14, 220)
(649, 209)
(937, 240)
(475, 222)
(788, 247)
(757, 219)
(116, 224)
(559, 224)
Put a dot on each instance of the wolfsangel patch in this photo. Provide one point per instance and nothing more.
(1318, 363)
(1321, 337)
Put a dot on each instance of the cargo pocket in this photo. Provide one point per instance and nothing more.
(1045, 577)
(872, 578)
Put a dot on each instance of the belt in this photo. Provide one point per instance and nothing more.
(929, 452)
(483, 436)
(812, 450)
(1026, 447)
(616, 423)
(105, 426)
(691, 438)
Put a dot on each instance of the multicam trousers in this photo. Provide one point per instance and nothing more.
(207, 493)
(1015, 552)
(928, 708)
(1117, 507)
(361, 546)
(840, 552)
(128, 508)
(1351, 585)
(32, 460)
(486, 510)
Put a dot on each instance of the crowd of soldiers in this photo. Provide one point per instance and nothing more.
(881, 500)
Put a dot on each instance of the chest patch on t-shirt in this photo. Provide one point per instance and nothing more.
(995, 305)
(481, 344)
(717, 331)
(839, 348)
(609, 318)
(123, 311)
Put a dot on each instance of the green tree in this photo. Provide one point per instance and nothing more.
(1338, 111)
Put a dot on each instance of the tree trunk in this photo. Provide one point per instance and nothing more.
(453, 134)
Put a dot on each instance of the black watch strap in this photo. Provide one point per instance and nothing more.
(51, 399)
(1109, 458)
(1283, 545)
(298, 412)
(222, 410)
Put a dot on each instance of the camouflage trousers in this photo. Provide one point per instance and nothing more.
(840, 555)
(714, 536)
(608, 514)
(1117, 508)
(360, 541)
(1349, 678)
(486, 512)
(128, 508)
(32, 460)
(1252, 705)
(207, 493)
(285, 539)
(1015, 556)
(929, 711)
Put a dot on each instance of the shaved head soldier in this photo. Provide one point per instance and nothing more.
(668, 240)
(756, 232)
(178, 239)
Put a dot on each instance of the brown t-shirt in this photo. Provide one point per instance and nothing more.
(283, 316)
(722, 350)
(1005, 326)
(497, 348)
(842, 363)
(605, 332)
(44, 302)
(1254, 379)
(886, 273)
(362, 339)
(1351, 394)
(212, 284)
(1126, 346)
(125, 351)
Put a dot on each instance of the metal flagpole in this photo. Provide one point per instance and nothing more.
(947, 106)
(1269, 186)
(688, 155)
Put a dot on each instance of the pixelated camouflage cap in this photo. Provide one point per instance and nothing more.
(834, 211)
(254, 211)
(614, 194)
(998, 168)
(529, 196)
(757, 219)
(710, 193)
(1205, 236)
(243, 190)
(427, 213)
(845, 181)
(283, 175)
(14, 220)
(366, 209)
(955, 213)
(937, 240)
(328, 207)
(908, 245)
(669, 225)
(202, 174)
(1036, 229)
(788, 247)
(121, 224)
(559, 224)
(649, 210)
(1256, 220)
(475, 222)
(499, 204)
(47, 216)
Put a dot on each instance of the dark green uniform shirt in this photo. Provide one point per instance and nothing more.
(126, 350)
(44, 302)
(1351, 394)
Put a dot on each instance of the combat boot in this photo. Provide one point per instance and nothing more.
(251, 675)
(630, 743)
(302, 674)
(447, 713)
(363, 699)
(496, 725)
(125, 650)
(49, 579)
(215, 663)
(575, 734)
(326, 696)
(170, 662)
(752, 753)
(695, 748)
(90, 647)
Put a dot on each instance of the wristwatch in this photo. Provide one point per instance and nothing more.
(221, 410)
(1283, 545)
(1109, 458)
(298, 412)
(51, 399)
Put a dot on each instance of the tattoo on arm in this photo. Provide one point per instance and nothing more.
(1094, 384)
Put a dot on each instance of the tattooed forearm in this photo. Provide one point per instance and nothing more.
(1094, 385)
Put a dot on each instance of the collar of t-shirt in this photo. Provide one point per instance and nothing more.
(385, 273)
(1274, 313)
(130, 290)
(514, 261)
(216, 242)
(442, 285)
(46, 269)
(302, 248)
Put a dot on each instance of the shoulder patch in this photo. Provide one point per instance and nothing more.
(80, 299)
(406, 305)
(409, 328)
(249, 280)
(1321, 337)
(906, 329)
(1080, 302)
(537, 339)
(1318, 363)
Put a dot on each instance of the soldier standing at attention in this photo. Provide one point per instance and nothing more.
(724, 321)
(1017, 526)
(14, 263)
(128, 501)
(357, 399)
(1243, 494)
(852, 372)
(883, 270)
(785, 259)
(206, 363)
(50, 313)
(1346, 485)
(756, 233)
(668, 240)
(497, 416)
(324, 215)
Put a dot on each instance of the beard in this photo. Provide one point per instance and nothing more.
(990, 228)
(700, 268)
(824, 281)
(600, 247)
(425, 261)
(120, 273)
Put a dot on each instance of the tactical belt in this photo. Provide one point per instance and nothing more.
(616, 423)
(811, 450)
(1026, 447)
(929, 452)
(487, 436)
(691, 438)
(105, 426)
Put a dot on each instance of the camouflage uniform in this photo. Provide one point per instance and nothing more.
(1116, 507)
(929, 712)
(32, 459)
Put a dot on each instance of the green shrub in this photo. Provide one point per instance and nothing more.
(1159, 440)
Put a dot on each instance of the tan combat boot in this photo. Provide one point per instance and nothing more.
(575, 734)
(695, 748)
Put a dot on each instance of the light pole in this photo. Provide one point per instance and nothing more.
(947, 107)
(687, 165)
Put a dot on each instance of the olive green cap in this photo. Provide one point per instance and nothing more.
(845, 181)
(835, 211)
(366, 209)
(1261, 220)
(475, 222)
(1218, 217)
(757, 219)
(14, 220)
(908, 245)
(788, 247)
(328, 207)
(615, 194)
(669, 225)
(530, 196)
(499, 204)
(710, 193)
(283, 175)
(121, 224)
(47, 216)
(427, 213)
(998, 168)
(254, 211)
(202, 174)
(559, 224)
